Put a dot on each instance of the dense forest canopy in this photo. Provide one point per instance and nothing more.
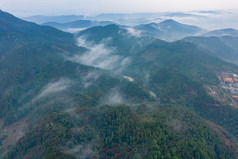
(115, 91)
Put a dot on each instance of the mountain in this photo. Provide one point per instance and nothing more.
(126, 39)
(222, 32)
(62, 98)
(35, 71)
(77, 24)
(164, 67)
(180, 14)
(59, 19)
(14, 29)
(169, 30)
(224, 47)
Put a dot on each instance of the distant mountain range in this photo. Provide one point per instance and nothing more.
(59, 19)
(203, 19)
(112, 92)
(180, 14)
(222, 32)
(77, 24)
(169, 30)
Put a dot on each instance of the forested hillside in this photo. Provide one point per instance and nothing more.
(107, 92)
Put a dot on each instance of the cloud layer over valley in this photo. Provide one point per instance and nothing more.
(100, 55)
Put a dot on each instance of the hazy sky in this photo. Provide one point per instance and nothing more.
(59, 7)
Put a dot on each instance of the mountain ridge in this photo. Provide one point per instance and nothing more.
(169, 30)
(154, 106)
(222, 32)
(77, 24)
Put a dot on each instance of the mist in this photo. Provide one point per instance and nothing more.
(100, 55)
(90, 78)
(53, 88)
(114, 98)
(208, 20)
(133, 32)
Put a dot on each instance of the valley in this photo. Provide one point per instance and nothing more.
(152, 90)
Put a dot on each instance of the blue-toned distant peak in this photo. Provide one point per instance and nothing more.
(77, 25)
(40, 19)
(180, 14)
(173, 23)
(169, 21)
(222, 32)
(169, 30)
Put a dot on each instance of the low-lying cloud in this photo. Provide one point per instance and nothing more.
(74, 30)
(153, 94)
(133, 32)
(210, 20)
(99, 55)
(82, 151)
(90, 78)
(54, 87)
(113, 98)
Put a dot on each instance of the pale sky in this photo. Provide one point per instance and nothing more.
(89, 7)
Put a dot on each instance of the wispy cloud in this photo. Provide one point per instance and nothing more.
(54, 87)
(86, 152)
(100, 55)
(81, 151)
(133, 32)
(114, 98)
(90, 78)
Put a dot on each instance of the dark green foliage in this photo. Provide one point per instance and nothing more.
(222, 47)
(45, 138)
(174, 87)
(164, 132)
(73, 123)
(152, 131)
